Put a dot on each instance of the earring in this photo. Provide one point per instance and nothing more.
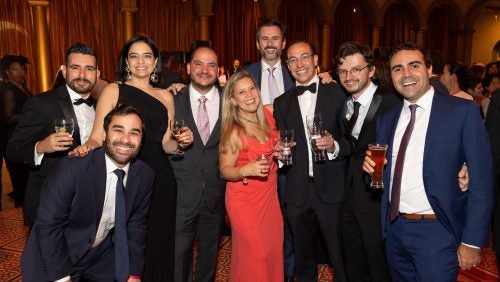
(129, 73)
(154, 77)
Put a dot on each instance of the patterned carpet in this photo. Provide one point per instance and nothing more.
(13, 235)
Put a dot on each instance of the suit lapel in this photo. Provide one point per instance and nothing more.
(372, 110)
(288, 82)
(215, 134)
(433, 128)
(97, 169)
(66, 105)
(294, 107)
(132, 186)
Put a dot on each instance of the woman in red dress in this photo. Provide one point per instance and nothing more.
(246, 147)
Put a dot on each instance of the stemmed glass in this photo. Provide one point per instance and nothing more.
(314, 128)
(287, 139)
(176, 126)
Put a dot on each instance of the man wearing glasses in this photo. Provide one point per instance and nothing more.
(314, 190)
(360, 216)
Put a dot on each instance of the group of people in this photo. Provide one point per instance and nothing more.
(137, 192)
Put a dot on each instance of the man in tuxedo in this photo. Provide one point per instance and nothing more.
(360, 217)
(92, 218)
(431, 226)
(314, 190)
(200, 190)
(34, 140)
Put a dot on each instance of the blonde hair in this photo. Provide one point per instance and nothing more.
(231, 121)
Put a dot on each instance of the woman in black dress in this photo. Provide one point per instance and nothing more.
(138, 72)
(13, 94)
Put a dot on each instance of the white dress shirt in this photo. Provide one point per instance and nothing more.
(365, 99)
(212, 104)
(108, 211)
(413, 198)
(84, 117)
(264, 82)
(307, 104)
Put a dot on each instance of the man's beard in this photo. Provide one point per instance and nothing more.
(80, 90)
(120, 159)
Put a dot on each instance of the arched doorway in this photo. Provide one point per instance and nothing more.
(399, 25)
(352, 23)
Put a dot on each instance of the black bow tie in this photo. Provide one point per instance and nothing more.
(301, 89)
(89, 101)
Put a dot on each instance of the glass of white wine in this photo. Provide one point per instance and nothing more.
(64, 125)
(176, 126)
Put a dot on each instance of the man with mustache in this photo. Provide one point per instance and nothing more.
(35, 142)
(91, 223)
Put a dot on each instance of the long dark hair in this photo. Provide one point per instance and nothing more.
(121, 72)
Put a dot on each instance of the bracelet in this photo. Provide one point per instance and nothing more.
(244, 180)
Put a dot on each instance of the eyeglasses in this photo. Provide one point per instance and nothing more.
(304, 57)
(353, 71)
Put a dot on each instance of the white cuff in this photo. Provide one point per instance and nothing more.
(335, 154)
(38, 158)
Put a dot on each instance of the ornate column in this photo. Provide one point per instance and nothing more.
(128, 12)
(204, 19)
(464, 45)
(376, 37)
(41, 45)
(325, 46)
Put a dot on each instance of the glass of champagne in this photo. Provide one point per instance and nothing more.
(287, 138)
(378, 156)
(64, 125)
(313, 123)
(176, 127)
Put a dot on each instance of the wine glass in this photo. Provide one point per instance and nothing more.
(176, 127)
(287, 138)
(313, 123)
(64, 125)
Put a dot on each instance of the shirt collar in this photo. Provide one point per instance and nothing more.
(265, 66)
(425, 102)
(195, 95)
(111, 166)
(75, 96)
(315, 79)
(366, 97)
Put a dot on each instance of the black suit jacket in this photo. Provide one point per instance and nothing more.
(359, 193)
(70, 210)
(329, 175)
(197, 172)
(35, 123)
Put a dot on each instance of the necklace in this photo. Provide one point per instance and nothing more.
(250, 121)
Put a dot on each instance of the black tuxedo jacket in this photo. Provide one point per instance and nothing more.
(359, 193)
(197, 172)
(70, 210)
(329, 175)
(35, 123)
